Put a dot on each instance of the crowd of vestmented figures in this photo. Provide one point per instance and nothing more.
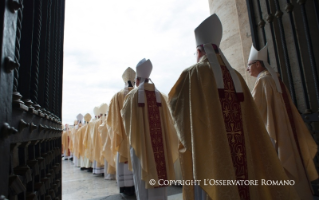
(210, 127)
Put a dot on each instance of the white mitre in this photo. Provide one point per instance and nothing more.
(128, 75)
(75, 122)
(210, 32)
(87, 117)
(143, 71)
(103, 108)
(79, 117)
(261, 55)
(96, 111)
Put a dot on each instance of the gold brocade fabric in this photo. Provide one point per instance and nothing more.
(78, 144)
(65, 141)
(119, 142)
(136, 125)
(204, 148)
(156, 134)
(271, 105)
(97, 143)
(232, 114)
(87, 141)
(106, 152)
(71, 138)
(74, 142)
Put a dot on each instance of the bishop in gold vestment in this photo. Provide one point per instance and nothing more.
(151, 135)
(76, 159)
(119, 143)
(222, 136)
(294, 145)
(98, 165)
(107, 156)
(84, 162)
(88, 143)
(65, 142)
(71, 136)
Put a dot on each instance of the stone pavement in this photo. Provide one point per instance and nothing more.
(83, 185)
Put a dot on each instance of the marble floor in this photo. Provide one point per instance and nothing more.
(83, 185)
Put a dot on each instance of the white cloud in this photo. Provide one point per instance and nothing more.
(103, 38)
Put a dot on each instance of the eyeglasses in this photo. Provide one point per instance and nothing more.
(251, 64)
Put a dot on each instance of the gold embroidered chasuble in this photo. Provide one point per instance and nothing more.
(76, 135)
(78, 141)
(71, 139)
(75, 142)
(87, 141)
(119, 142)
(106, 152)
(296, 156)
(97, 143)
(65, 142)
(137, 128)
(205, 142)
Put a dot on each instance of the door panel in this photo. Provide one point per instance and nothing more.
(30, 119)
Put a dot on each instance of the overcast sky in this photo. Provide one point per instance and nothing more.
(102, 38)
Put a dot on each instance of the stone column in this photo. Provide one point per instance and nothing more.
(236, 41)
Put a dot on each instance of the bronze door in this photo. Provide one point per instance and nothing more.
(31, 98)
(291, 29)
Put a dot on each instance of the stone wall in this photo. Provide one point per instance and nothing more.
(236, 41)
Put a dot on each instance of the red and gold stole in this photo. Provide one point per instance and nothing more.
(156, 134)
(230, 104)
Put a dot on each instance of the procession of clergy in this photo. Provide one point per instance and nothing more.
(210, 127)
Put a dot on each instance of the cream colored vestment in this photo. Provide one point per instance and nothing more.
(272, 108)
(204, 143)
(136, 125)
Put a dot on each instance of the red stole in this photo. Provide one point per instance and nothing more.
(230, 104)
(156, 134)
